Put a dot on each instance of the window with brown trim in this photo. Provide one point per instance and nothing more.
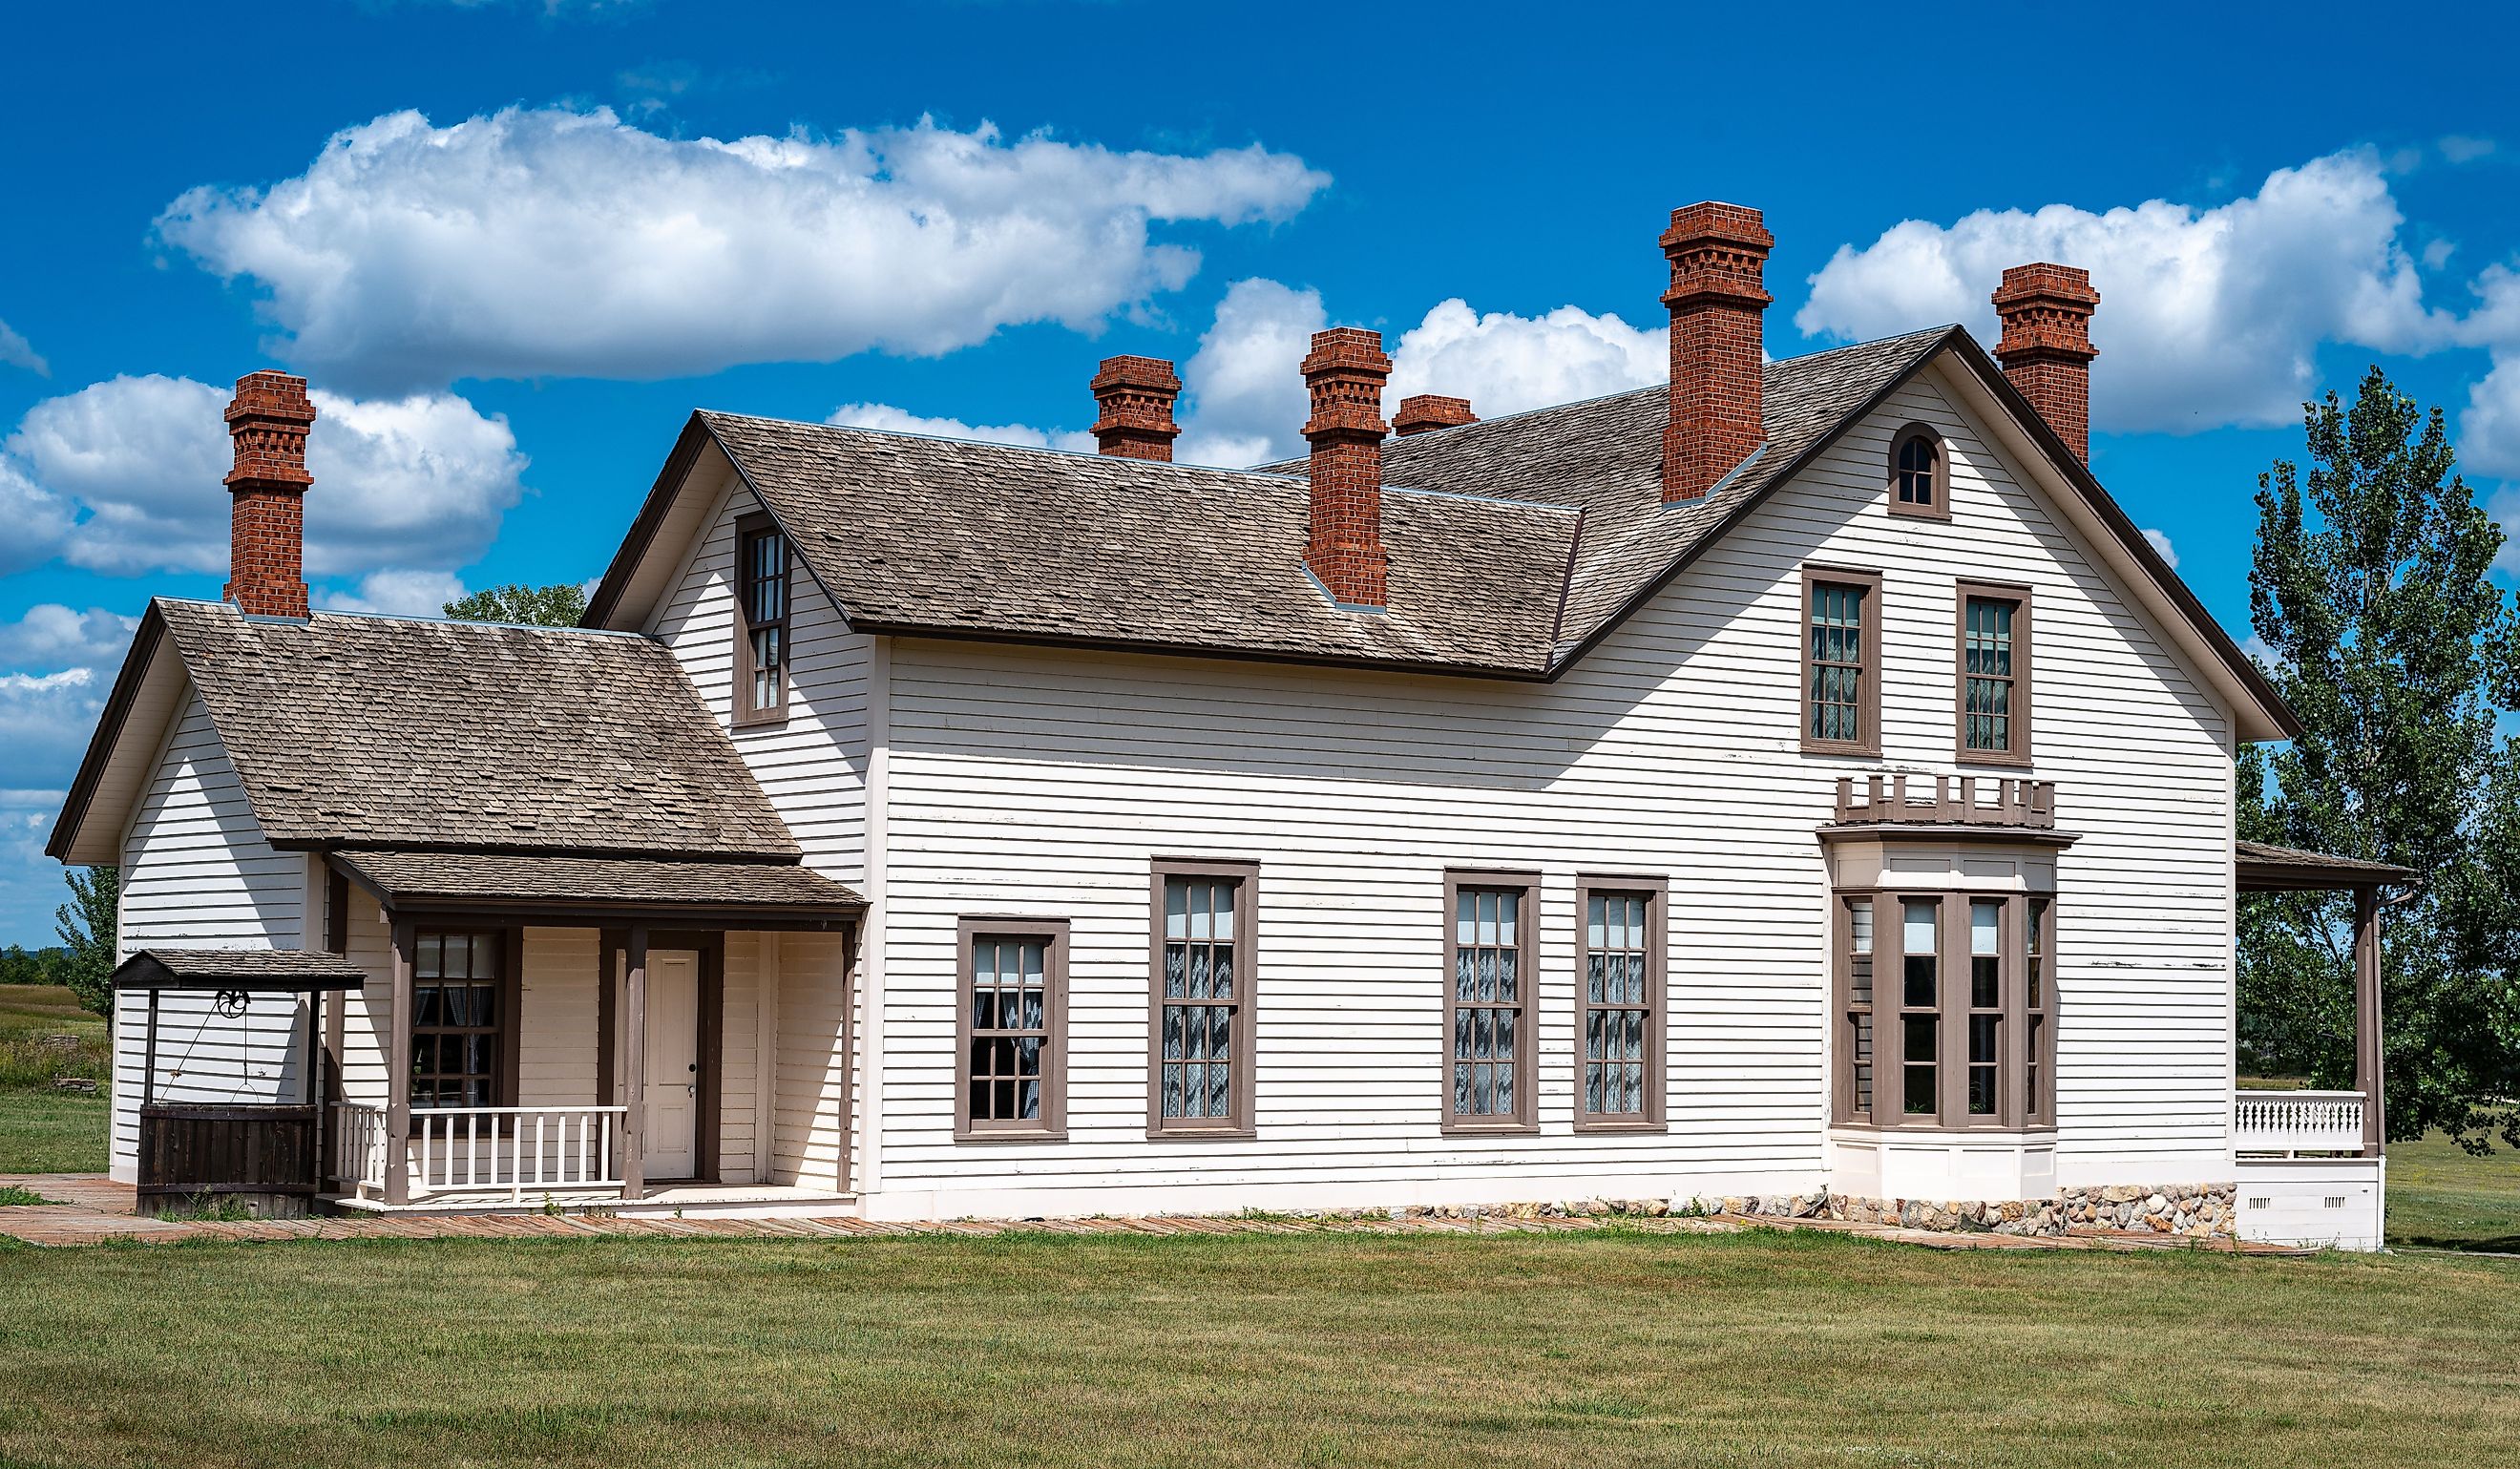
(1961, 1034)
(761, 583)
(1199, 1069)
(1920, 473)
(463, 1018)
(1920, 976)
(1488, 1061)
(1011, 1063)
(1855, 961)
(1992, 667)
(1841, 712)
(1618, 1006)
(2038, 1104)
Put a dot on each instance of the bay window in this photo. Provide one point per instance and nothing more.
(1959, 1033)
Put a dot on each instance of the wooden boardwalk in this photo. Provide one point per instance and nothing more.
(93, 1210)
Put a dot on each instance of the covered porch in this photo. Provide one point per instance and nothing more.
(2312, 1166)
(630, 1034)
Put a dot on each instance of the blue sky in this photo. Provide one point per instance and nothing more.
(514, 243)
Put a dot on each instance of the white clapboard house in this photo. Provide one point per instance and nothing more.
(1797, 780)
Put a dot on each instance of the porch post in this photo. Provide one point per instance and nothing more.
(2368, 1069)
(634, 1062)
(398, 1070)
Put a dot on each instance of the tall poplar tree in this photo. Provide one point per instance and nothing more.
(2401, 656)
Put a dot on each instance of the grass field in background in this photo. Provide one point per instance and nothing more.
(2441, 1197)
(1757, 1349)
(44, 1130)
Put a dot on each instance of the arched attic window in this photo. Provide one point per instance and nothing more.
(1920, 473)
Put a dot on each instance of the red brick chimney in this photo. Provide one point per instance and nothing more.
(1718, 253)
(267, 519)
(1345, 372)
(1427, 411)
(1137, 396)
(2046, 345)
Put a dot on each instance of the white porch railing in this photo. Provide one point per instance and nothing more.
(358, 1155)
(510, 1151)
(2293, 1123)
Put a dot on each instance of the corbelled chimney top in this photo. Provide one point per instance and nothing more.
(1136, 394)
(1718, 254)
(2046, 346)
(1429, 411)
(268, 421)
(1345, 372)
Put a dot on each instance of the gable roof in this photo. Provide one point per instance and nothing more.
(348, 731)
(1515, 542)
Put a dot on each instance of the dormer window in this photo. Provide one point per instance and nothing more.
(760, 621)
(1920, 480)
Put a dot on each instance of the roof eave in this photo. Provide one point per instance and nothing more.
(2279, 715)
(644, 527)
(147, 640)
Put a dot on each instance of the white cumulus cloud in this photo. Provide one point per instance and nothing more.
(893, 420)
(415, 481)
(1506, 363)
(2208, 317)
(402, 593)
(1246, 402)
(2159, 541)
(14, 352)
(54, 636)
(557, 241)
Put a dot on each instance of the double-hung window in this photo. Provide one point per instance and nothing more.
(1841, 707)
(1618, 1005)
(1488, 1055)
(462, 1018)
(1858, 1075)
(1011, 1065)
(1199, 1071)
(1919, 1005)
(1993, 657)
(761, 584)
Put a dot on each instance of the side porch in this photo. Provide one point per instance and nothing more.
(2312, 1166)
(562, 1032)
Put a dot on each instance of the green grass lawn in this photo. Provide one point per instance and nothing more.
(43, 1130)
(1612, 1348)
(2440, 1196)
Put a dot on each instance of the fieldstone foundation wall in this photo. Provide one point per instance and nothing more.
(2201, 1210)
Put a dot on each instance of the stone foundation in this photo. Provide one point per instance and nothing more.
(2198, 1211)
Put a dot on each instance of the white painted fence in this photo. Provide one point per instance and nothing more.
(510, 1151)
(2289, 1124)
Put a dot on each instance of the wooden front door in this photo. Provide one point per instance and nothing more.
(672, 1141)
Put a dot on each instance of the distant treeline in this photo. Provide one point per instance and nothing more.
(21, 965)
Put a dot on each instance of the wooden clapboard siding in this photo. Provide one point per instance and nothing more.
(813, 764)
(815, 1097)
(558, 1035)
(737, 1072)
(1038, 783)
(197, 873)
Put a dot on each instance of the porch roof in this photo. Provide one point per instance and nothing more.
(608, 889)
(278, 971)
(2263, 866)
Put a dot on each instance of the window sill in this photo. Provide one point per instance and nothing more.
(762, 720)
(1615, 1127)
(1907, 511)
(1161, 1134)
(964, 1134)
(1490, 1130)
(1925, 1127)
(2003, 758)
(1851, 751)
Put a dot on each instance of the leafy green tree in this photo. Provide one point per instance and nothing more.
(87, 927)
(2370, 587)
(558, 605)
